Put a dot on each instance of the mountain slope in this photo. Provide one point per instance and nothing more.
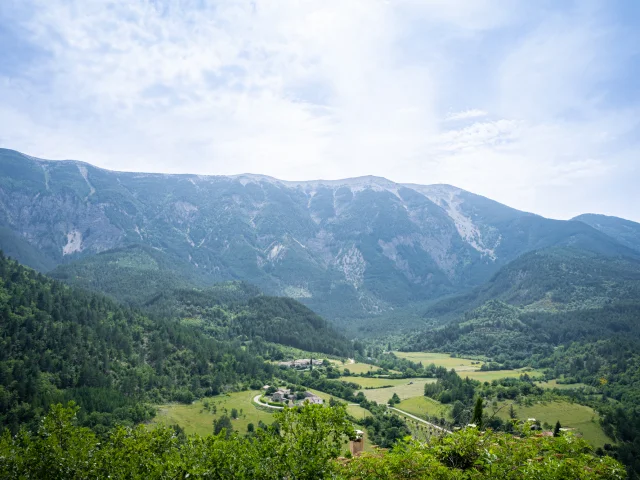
(623, 231)
(347, 248)
(58, 343)
(157, 283)
(235, 310)
(131, 274)
(540, 300)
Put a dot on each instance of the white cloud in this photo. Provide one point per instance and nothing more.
(301, 89)
(466, 114)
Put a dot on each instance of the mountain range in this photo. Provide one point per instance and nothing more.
(349, 249)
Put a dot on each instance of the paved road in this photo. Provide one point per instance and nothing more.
(421, 420)
(256, 399)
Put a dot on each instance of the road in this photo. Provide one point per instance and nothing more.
(256, 399)
(421, 420)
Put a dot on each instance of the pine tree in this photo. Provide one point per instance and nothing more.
(556, 430)
(477, 413)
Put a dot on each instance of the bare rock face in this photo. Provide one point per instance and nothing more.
(347, 248)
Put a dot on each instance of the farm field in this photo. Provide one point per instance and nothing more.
(561, 386)
(488, 376)
(357, 367)
(441, 360)
(322, 395)
(358, 412)
(404, 391)
(418, 430)
(371, 382)
(570, 415)
(421, 406)
(195, 419)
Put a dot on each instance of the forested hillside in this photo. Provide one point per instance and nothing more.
(59, 343)
(150, 280)
(540, 300)
(131, 274)
(623, 231)
(237, 310)
(574, 313)
(552, 279)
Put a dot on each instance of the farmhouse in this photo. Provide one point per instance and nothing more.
(301, 364)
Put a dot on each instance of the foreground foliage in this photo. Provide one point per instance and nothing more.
(305, 444)
(471, 454)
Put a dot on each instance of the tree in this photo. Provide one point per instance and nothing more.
(303, 447)
(512, 412)
(319, 432)
(395, 399)
(234, 413)
(457, 412)
(556, 429)
(250, 428)
(222, 423)
(477, 413)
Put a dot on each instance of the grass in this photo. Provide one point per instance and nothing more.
(464, 366)
(357, 367)
(421, 406)
(571, 415)
(418, 430)
(357, 412)
(195, 419)
(561, 386)
(322, 395)
(372, 382)
(488, 376)
(404, 391)
(441, 360)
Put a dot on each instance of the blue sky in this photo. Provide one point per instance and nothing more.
(534, 104)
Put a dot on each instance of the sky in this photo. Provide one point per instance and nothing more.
(533, 104)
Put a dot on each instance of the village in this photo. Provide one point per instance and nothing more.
(302, 363)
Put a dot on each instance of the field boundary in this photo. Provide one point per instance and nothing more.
(420, 420)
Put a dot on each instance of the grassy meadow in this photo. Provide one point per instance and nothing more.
(571, 415)
(357, 367)
(358, 412)
(371, 382)
(195, 419)
(561, 386)
(421, 406)
(497, 374)
(404, 391)
(442, 360)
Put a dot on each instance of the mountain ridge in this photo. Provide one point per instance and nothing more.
(625, 232)
(347, 248)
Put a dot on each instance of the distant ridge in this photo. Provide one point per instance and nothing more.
(348, 248)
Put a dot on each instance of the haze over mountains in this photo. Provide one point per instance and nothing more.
(347, 248)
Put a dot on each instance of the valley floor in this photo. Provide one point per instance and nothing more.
(197, 418)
